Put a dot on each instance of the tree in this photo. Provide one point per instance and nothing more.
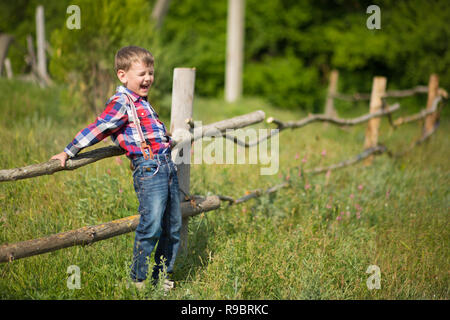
(85, 56)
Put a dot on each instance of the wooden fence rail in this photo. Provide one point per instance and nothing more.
(85, 158)
(389, 94)
(334, 120)
(91, 234)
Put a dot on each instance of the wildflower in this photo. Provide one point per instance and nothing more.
(352, 196)
(297, 156)
(120, 190)
(108, 171)
(348, 214)
(329, 206)
(338, 218)
(304, 159)
(299, 171)
(358, 215)
(288, 177)
(360, 187)
(324, 153)
(307, 186)
(358, 207)
(388, 193)
(119, 161)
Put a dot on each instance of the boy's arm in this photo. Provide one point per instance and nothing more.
(112, 118)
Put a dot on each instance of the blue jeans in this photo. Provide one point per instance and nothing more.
(156, 186)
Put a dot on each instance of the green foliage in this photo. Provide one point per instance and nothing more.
(85, 56)
(194, 35)
(410, 45)
(285, 81)
(290, 46)
(17, 18)
(418, 42)
(271, 67)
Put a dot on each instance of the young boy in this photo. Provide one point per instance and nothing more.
(154, 173)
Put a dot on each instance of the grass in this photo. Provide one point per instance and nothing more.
(289, 245)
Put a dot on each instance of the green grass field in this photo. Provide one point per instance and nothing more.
(313, 240)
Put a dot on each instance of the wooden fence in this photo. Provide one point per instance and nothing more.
(182, 101)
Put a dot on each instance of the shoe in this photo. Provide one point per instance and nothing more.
(168, 285)
(140, 285)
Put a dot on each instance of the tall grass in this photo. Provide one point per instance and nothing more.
(313, 240)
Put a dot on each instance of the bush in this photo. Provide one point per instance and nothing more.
(85, 57)
(285, 81)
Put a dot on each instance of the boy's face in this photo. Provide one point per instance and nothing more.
(138, 78)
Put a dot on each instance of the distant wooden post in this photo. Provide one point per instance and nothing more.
(182, 106)
(159, 12)
(332, 89)
(235, 50)
(31, 57)
(378, 90)
(5, 42)
(41, 44)
(433, 89)
(9, 73)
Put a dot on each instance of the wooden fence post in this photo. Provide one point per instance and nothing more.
(433, 88)
(41, 45)
(8, 68)
(235, 50)
(5, 42)
(182, 101)
(332, 89)
(159, 12)
(378, 90)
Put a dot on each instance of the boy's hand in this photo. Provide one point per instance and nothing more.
(61, 157)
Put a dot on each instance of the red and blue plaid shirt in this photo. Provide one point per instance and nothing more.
(114, 122)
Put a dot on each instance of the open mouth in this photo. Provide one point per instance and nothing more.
(145, 87)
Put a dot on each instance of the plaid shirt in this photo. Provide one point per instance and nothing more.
(114, 122)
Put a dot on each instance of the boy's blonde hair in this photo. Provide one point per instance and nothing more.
(127, 55)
